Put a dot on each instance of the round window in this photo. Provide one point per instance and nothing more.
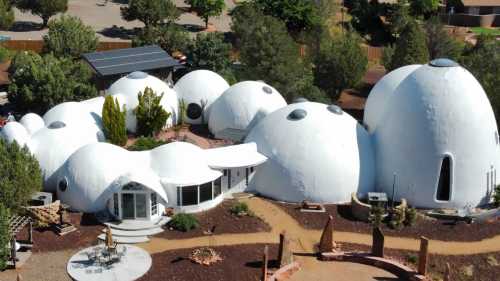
(63, 184)
(193, 111)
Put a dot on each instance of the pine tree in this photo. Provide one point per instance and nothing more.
(113, 119)
(411, 47)
(151, 117)
(6, 15)
(4, 236)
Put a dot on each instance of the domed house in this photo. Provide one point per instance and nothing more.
(438, 142)
(14, 131)
(32, 122)
(241, 107)
(315, 152)
(381, 93)
(127, 89)
(198, 90)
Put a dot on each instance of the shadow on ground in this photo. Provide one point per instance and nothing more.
(118, 32)
(25, 26)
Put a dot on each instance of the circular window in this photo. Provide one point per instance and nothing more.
(267, 90)
(63, 184)
(297, 114)
(57, 125)
(193, 111)
(335, 109)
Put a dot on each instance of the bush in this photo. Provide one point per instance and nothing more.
(151, 117)
(4, 236)
(113, 121)
(411, 47)
(410, 216)
(411, 258)
(496, 196)
(145, 143)
(6, 15)
(184, 222)
(4, 53)
(209, 51)
(170, 38)
(397, 218)
(68, 36)
(239, 209)
(376, 215)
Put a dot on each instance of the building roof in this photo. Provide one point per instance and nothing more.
(481, 3)
(235, 156)
(123, 61)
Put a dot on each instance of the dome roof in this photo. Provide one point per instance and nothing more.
(94, 106)
(381, 93)
(198, 86)
(128, 89)
(32, 122)
(182, 163)
(242, 105)
(315, 152)
(439, 117)
(71, 113)
(14, 131)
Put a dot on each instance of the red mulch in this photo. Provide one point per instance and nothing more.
(430, 228)
(224, 222)
(240, 263)
(45, 240)
(482, 269)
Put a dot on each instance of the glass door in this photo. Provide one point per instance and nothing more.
(140, 206)
(128, 208)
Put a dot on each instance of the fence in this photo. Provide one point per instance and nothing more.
(37, 45)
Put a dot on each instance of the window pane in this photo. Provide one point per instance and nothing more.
(217, 187)
(154, 204)
(140, 205)
(189, 195)
(206, 192)
(115, 205)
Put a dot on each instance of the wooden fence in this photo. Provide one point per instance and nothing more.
(37, 45)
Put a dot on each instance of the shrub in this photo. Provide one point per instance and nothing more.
(145, 143)
(170, 38)
(113, 120)
(209, 51)
(151, 117)
(376, 215)
(411, 258)
(4, 53)
(184, 222)
(496, 196)
(6, 15)
(239, 208)
(410, 216)
(68, 36)
(397, 218)
(4, 236)
(411, 47)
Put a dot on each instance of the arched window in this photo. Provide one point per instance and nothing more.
(444, 184)
(63, 184)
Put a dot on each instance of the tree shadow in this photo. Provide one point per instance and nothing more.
(345, 212)
(387, 278)
(89, 220)
(26, 26)
(119, 32)
(193, 27)
(258, 264)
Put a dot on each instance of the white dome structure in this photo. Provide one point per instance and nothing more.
(199, 89)
(315, 152)
(14, 131)
(241, 107)
(128, 89)
(438, 142)
(32, 122)
(381, 93)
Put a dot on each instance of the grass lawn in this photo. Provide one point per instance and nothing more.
(484, 30)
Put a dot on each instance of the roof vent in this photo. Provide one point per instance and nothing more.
(443, 62)
(335, 109)
(299, 100)
(267, 89)
(137, 75)
(57, 125)
(297, 114)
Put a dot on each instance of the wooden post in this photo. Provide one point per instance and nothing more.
(13, 251)
(423, 255)
(326, 241)
(30, 232)
(447, 273)
(285, 255)
(378, 242)
(264, 263)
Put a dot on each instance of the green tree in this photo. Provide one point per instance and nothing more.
(297, 14)
(39, 83)
(411, 47)
(6, 15)
(340, 65)
(209, 51)
(4, 236)
(171, 38)
(42, 8)
(20, 175)
(424, 8)
(367, 20)
(68, 36)
(114, 121)
(398, 16)
(206, 9)
(151, 117)
(439, 43)
(146, 143)
(150, 12)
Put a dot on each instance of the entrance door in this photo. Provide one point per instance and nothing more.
(140, 206)
(128, 208)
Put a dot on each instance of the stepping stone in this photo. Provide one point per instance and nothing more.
(137, 225)
(126, 240)
(135, 233)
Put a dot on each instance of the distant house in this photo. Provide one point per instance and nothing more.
(481, 7)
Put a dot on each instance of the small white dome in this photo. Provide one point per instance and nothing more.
(94, 106)
(198, 86)
(32, 122)
(438, 138)
(381, 93)
(242, 106)
(14, 131)
(315, 152)
(130, 86)
(72, 114)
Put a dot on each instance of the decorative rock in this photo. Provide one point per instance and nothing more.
(378, 242)
(423, 255)
(326, 242)
(285, 255)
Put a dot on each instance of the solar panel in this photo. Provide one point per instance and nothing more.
(122, 61)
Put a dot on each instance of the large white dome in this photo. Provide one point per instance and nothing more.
(128, 88)
(32, 122)
(14, 131)
(438, 139)
(242, 106)
(315, 152)
(200, 86)
(381, 93)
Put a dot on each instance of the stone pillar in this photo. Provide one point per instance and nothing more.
(285, 255)
(264, 263)
(447, 273)
(30, 232)
(378, 242)
(423, 256)
(326, 242)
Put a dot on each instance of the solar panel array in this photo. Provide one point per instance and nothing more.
(122, 61)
